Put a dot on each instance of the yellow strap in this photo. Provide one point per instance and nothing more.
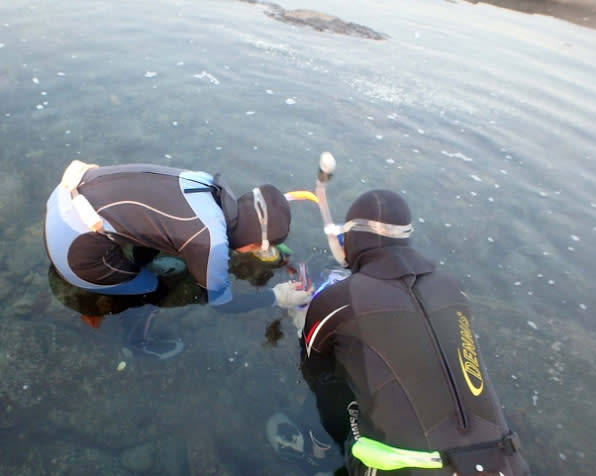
(375, 454)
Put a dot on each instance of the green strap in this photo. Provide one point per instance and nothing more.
(285, 249)
(381, 456)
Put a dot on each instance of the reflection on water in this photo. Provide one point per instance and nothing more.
(482, 117)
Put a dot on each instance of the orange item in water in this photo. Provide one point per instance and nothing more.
(93, 321)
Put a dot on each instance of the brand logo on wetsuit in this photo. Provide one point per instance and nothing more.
(353, 412)
(468, 357)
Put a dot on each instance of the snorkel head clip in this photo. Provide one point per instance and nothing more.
(266, 253)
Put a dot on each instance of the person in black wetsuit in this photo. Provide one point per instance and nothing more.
(104, 225)
(417, 397)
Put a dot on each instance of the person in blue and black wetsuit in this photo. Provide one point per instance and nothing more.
(103, 225)
(418, 399)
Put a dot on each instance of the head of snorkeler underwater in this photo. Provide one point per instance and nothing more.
(260, 217)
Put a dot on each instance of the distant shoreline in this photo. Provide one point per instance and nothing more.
(580, 12)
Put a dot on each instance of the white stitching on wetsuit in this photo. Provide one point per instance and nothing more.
(192, 237)
(314, 335)
(141, 204)
(116, 270)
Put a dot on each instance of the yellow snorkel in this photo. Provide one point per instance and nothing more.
(301, 195)
(326, 169)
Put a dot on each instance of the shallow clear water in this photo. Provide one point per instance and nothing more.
(483, 117)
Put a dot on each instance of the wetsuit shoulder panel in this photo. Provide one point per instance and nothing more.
(325, 313)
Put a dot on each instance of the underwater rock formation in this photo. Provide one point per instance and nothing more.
(319, 21)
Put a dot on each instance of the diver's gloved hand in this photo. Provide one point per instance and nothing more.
(298, 316)
(292, 294)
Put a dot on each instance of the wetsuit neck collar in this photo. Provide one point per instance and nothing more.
(392, 262)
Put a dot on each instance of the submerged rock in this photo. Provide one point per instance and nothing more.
(319, 21)
(139, 458)
(322, 22)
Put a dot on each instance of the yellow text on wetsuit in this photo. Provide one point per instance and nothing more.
(468, 356)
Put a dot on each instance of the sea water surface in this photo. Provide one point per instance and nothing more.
(482, 117)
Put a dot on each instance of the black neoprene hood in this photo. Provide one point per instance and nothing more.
(248, 227)
(379, 205)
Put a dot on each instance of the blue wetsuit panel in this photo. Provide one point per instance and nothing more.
(207, 210)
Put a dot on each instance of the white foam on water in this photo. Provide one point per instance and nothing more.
(476, 178)
(208, 76)
(534, 399)
(150, 74)
(290, 101)
(35, 80)
(250, 113)
(457, 155)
